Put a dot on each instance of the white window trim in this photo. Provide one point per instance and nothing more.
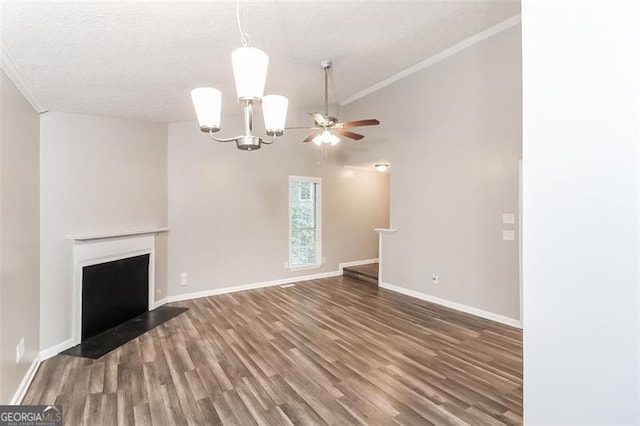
(318, 193)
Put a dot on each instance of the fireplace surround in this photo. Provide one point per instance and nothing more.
(97, 250)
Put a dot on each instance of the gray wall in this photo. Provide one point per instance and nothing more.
(19, 236)
(97, 174)
(452, 133)
(581, 194)
(228, 209)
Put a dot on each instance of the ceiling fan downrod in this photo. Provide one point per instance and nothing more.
(326, 65)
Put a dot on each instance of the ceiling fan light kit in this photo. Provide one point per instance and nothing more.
(250, 75)
(327, 138)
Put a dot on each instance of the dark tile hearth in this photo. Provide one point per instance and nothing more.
(105, 342)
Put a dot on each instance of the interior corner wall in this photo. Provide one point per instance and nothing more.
(97, 174)
(452, 133)
(228, 209)
(19, 236)
(581, 195)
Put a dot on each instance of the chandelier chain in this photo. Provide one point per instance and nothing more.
(242, 24)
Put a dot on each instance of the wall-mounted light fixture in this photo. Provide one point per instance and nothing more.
(382, 167)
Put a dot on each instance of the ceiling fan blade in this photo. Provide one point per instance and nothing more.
(311, 136)
(318, 118)
(302, 127)
(348, 134)
(358, 123)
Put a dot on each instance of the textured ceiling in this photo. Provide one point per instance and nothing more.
(141, 59)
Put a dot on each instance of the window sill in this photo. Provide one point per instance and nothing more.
(305, 267)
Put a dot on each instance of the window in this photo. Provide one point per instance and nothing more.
(305, 192)
(305, 219)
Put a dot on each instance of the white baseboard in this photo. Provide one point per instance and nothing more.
(160, 302)
(252, 286)
(453, 305)
(55, 349)
(343, 265)
(26, 381)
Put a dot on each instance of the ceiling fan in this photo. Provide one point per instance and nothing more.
(327, 128)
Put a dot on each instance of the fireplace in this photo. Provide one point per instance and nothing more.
(114, 281)
(114, 292)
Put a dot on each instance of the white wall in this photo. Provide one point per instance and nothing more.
(228, 209)
(19, 236)
(452, 133)
(97, 174)
(581, 128)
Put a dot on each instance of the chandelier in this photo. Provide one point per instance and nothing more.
(250, 75)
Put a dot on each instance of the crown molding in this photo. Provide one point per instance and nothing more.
(483, 35)
(15, 75)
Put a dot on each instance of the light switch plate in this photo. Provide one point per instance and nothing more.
(508, 235)
(508, 218)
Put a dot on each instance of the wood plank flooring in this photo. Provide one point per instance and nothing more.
(329, 351)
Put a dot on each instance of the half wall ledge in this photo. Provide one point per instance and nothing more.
(381, 232)
(385, 230)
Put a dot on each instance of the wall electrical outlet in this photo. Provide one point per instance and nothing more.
(434, 278)
(324, 260)
(286, 265)
(509, 218)
(508, 235)
(20, 350)
(184, 279)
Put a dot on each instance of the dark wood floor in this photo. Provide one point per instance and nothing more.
(330, 351)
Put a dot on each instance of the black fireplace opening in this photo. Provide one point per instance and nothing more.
(114, 292)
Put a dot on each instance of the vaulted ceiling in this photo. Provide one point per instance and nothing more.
(141, 59)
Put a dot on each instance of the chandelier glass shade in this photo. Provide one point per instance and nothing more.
(250, 74)
(207, 102)
(274, 111)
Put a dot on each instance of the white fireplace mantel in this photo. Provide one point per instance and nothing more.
(114, 234)
(92, 249)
